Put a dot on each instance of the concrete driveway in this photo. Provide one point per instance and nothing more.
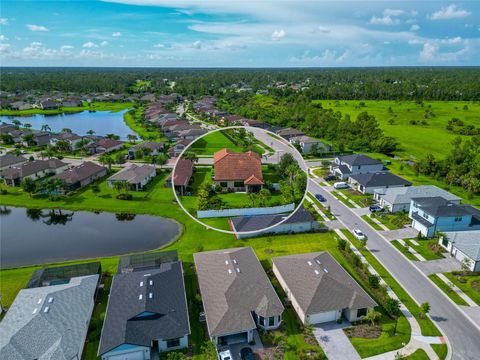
(404, 233)
(448, 264)
(334, 342)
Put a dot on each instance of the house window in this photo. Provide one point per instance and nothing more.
(271, 321)
(445, 241)
(458, 219)
(173, 343)
(238, 184)
(425, 215)
(261, 320)
(223, 184)
(361, 312)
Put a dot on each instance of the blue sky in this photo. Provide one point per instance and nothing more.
(232, 33)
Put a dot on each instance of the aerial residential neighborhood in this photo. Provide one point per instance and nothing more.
(239, 180)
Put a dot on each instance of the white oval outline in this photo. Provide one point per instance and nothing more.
(227, 231)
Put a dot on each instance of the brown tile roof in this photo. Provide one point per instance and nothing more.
(183, 172)
(81, 172)
(237, 166)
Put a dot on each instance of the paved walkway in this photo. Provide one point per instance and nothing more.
(448, 264)
(317, 209)
(334, 342)
(404, 233)
(459, 292)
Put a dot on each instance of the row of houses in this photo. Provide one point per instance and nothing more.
(147, 311)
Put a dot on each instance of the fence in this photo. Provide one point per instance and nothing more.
(246, 211)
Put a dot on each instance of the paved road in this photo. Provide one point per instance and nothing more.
(463, 336)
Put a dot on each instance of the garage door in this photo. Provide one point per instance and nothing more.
(133, 355)
(322, 317)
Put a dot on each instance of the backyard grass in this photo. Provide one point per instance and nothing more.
(412, 137)
(403, 250)
(212, 143)
(447, 290)
(469, 284)
(97, 106)
(427, 326)
(371, 222)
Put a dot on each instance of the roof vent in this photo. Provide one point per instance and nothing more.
(46, 309)
(318, 262)
(229, 271)
(325, 270)
(226, 262)
(238, 270)
(147, 274)
(150, 295)
(140, 297)
(317, 272)
(151, 282)
(50, 300)
(34, 311)
(39, 301)
(309, 263)
(141, 283)
(234, 261)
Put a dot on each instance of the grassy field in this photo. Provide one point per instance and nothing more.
(97, 106)
(446, 289)
(212, 143)
(412, 137)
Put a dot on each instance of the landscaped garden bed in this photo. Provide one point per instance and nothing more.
(392, 221)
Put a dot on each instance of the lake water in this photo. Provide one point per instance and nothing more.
(102, 122)
(30, 236)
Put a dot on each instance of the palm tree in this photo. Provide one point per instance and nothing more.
(263, 196)
(27, 125)
(16, 123)
(372, 316)
(45, 127)
(90, 132)
(132, 138)
(106, 159)
(29, 186)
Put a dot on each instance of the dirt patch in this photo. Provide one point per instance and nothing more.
(476, 285)
(364, 331)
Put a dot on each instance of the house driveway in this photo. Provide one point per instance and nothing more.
(334, 342)
(404, 233)
(448, 264)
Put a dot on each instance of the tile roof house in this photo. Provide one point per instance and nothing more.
(399, 198)
(183, 174)
(147, 313)
(320, 289)
(81, 175)
(49, 322)
(435, 214)
(238, 171)
(237, 295)
(136, 175)
(104, 146)
(463, 245)
(301, 221)
(35, 170)
(345, 166)
(369, 182)
(8, 160)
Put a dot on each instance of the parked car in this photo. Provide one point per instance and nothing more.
(375, 208)
(320, 198)
(359, 234)
(329, 178)
(225, 355)
(247, 354)
(340, 185)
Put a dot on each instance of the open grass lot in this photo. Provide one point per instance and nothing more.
(212, 143)
(357, 197)
(469, 284)
(342, 199)
(97, 106)
(412, 137)
(447, 290)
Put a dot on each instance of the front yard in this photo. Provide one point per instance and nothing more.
(392, 221)
(357, 197)
(469, 283)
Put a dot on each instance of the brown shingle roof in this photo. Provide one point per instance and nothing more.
(237, 166)
(183, 172)
(80, 172)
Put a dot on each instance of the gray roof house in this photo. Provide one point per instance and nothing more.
(307, 144)
(81, 175)
(237, 295)
(398, 199)
(368, 182)
(136, 175)
(147, 313)
(33, 169)
(345, 166)
(8, 160)
(288, 133)
(300, 221)
(463, 245)
(49, 322)
(320, 289)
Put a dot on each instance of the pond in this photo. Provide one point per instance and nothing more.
(33, 236)
(102, 122)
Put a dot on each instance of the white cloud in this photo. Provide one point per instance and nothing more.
(66, 47)
(455, 40)
(449, 12)
(323, 29)
(159, 46)
(104, 43)
(32, 27)
(277, 35)
(385, 20)
(4, 48)
(90, 45)
(326, 58)
(116, 34)
(415, 27)
(197, 45)
(393, 12)
(3, 38)
(3, 21)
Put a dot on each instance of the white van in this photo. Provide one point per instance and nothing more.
(340, 185)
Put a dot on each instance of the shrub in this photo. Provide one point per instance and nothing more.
(124, 197)
(341, 244)
(374, 281)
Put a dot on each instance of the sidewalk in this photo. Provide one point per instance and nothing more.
(460, 293)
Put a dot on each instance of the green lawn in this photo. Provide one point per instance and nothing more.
(342, 199)
(429, 249)
(359, 198)
(444, 287)
(145, 132)
(419, 354)
(404, 251)
(441, 350)
(212, 143)
(97, 106)
(412, 137)
(469, 284)
(371, 222)
(392, 221)
(320, 206)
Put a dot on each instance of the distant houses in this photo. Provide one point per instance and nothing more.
(289, 133)
(238, 171)
(308, 144)
(348, 165)
(137, 176)
(236, 294)
(81, 175)
(149, 147)
(34, 170)
(10, 160)
(178, 147)
(104, 146)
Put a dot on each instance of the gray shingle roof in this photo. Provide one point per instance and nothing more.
(80, 172)
(10, 159)
(359, 159)
(317, 290)
(439, 207)
(167, 306)
(260, 222)
(380, 179)
(59, 332)
(403, 195)
(133, 174)
(230, 295)
(467, 242)
(32, 167)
